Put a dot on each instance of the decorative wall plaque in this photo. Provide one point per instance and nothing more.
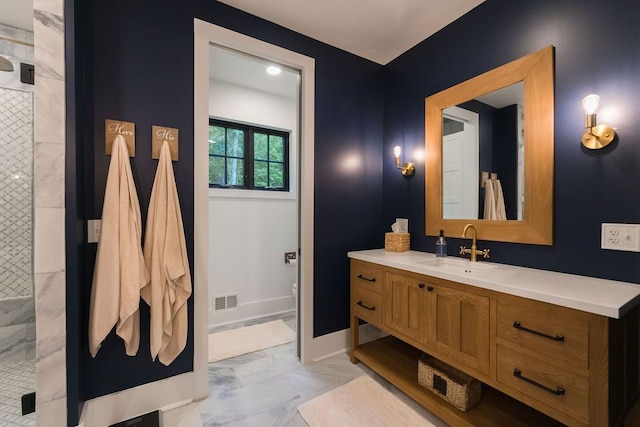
(161, 134)
(113, 128)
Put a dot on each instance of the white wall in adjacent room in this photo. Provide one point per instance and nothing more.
(249, 231)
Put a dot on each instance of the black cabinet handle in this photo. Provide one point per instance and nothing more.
(421, 285)
(558, 337)
(360, 276)
(430, 288)
(518, 374)
(361, 304)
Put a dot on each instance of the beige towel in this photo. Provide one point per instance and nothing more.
(165, 253)
(489, 201)
(501, 213)
(119, 271)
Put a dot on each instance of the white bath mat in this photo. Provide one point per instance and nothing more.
(234, 342)
(361, 402)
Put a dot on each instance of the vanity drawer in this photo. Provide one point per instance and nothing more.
(550, 331)
(367, 305)
(546, 383)
(366, 275)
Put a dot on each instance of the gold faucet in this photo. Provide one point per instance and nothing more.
(474, 250)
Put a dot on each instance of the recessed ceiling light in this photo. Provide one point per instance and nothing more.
(273, 70)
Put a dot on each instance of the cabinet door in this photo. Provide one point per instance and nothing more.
(403, 304)
(458, 326)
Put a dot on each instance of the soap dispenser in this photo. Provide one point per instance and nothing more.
(441, 245)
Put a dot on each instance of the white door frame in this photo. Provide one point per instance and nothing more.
(204, 35)
(471, 176)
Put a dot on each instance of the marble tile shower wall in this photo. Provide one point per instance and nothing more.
(49, 201)
(17, 308)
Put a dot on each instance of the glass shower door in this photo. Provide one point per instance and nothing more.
(17, 310)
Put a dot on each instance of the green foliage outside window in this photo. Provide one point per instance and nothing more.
(247, 157)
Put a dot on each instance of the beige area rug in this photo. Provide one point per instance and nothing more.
(234, 342)
(361, 402)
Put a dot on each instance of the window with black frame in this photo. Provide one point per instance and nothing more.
(247, 157)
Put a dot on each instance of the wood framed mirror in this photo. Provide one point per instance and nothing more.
(533, 223)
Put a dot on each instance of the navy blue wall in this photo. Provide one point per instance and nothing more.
(135, 63)
(590, 187)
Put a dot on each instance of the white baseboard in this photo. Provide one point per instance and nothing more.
(251, 310)
(339, 342)
(124, 405)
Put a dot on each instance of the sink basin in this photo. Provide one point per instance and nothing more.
(458, 265)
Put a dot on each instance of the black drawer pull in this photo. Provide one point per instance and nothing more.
(558, 337)
(430, 288)
(360, 276)
(518, 374)
(421, 285)
(361, 304)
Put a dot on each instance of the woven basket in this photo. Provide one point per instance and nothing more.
(455, 387)
(396, 242)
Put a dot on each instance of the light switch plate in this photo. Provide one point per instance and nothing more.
(621, 237)
(93, 230)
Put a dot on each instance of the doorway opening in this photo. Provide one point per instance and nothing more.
(254, 116)
(207, 35)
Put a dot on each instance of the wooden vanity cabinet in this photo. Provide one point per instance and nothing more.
(573, 367)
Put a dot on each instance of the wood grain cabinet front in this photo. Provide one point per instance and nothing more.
(553, 333)
(548, 384)
(367, 305)
(368, 276)
(458, 326)
(404, 305)
(543, 353)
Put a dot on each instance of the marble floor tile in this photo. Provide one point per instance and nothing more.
(265, 388)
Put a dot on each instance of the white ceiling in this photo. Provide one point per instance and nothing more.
(244, 70)
(379, 30)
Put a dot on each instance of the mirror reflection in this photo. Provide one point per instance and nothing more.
(483, 156)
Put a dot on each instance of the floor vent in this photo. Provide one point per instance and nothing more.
(232, 301)
(225, 302)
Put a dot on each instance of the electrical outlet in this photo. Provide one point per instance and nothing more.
(621, 237)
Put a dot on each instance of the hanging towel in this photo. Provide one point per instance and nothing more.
(501, 213)
(119, 271)
(489, 201)
(165, 254)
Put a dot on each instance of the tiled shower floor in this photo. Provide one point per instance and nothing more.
(17, 379)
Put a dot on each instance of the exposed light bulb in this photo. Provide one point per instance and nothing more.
(590, 103)
(273, 70)
(397, 150)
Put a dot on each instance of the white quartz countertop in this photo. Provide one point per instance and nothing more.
(599, 296)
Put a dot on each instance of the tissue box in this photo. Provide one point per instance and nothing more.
(452, 385)
(396, 242)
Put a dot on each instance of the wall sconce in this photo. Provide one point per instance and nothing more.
(406, 169)
(596, 136)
